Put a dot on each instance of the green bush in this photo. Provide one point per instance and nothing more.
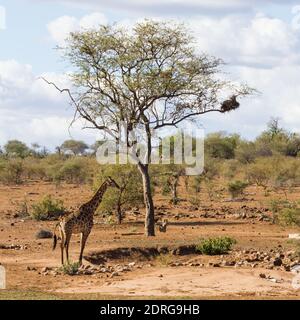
(215, 246)
(47, 209)
(285, 212)
(260, 173)
(73, 171)
(11, 172)
(290, 217)
(128, 196)
(236, 188)
(70, 269)
(34, 169)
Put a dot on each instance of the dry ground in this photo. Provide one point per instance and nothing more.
(152, 278)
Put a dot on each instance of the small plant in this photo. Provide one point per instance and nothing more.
(133, 230)
(47, 209)
(236, 188)
(110, 220)
(70, 269)
(22, 210)
(195, 201)
(215, 246)
(164, 259)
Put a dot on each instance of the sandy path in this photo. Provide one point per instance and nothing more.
(196, 282)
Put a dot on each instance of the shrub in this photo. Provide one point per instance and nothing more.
(70, 269)
(285, 212)
(214, 246)
(290, 216)
(73, 171)
(22, 210)
(12, 171)
(195, 201)
(220, 145)
(34, 169)
(245, 152)
(260, 173)
(47, 209)
(231, 168)
(236, 188)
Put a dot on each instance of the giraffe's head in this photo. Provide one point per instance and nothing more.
(112, 183)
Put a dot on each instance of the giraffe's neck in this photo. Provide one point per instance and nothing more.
(95, 201)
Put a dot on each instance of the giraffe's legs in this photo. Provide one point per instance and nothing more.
(62, 246)
(84, 237)
(67, 243)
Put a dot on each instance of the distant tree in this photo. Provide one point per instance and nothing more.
(277, 140)
(16, 148)
(260, 173)
(38, 151)
(220, 145)
(74, 146)
(96, 145)
(274, 128)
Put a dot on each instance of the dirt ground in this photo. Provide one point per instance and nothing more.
(29, 262)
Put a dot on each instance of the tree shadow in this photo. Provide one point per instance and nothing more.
(205, 223)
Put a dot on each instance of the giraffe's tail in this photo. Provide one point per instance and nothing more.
(55, 237)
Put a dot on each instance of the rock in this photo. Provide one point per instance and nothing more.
(114, 274)
(87, 272)
(262, 275)
(45, 269)
(279, 255)
(290, 253)
(44, 234)
(131, 264)
(277, 262)
(287, 268)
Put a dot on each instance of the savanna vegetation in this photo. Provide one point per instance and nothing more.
(270, 162)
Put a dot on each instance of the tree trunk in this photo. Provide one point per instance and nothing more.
(149, 219)
(119, 214)
(174, 191)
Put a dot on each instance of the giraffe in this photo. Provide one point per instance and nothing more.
(80, 222)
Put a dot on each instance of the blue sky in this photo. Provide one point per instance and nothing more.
(259, 40)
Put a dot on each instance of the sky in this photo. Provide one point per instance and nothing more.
(259, 40)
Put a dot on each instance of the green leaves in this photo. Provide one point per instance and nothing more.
(215, 246)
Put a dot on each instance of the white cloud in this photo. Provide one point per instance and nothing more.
(31, 110)
(60, 28)
(258, 40)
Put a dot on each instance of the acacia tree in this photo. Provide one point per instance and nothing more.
(75, 146)
(148, 77)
